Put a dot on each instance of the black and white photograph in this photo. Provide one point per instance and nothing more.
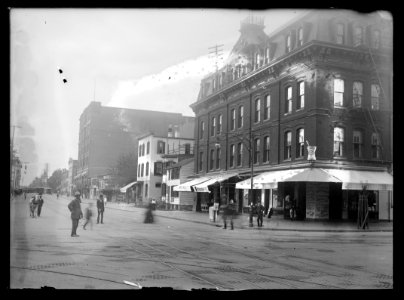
(200, 149)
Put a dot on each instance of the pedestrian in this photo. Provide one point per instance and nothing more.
(149, 214)
(229, 211)
(40, 203)
(260, 213)
(89, 215)
(292, 209)
(251, 214)
(32, 206)
(100, 209)
(76, 213)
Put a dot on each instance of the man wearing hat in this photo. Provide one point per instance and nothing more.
(100, 209)
(76, 213)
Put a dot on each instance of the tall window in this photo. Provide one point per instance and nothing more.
(288, 43)
(161, 147)
(266, 149)
(219, 125)
(375, 94)
(140, 151)
(300, 143)
(376, 39)
(288, 145)
(300, 99)
(200, 161)
(338, 141)
(218, 155)
(338, 92)
(158, 168)
(147, 169)
(233, 119)
(267, 55)
(202, 130)
(239, 154)
(146, 190)
(221, 80)
(357, 94)
(240, 116)
(340, 33)
(256, 150)
(257, 112)
(357, 144)
(138, 170)
(358, 36)
(214, 84)
(300, 37)
(142, 173)
(232, 155)
(212, 129)
(148, 148)
(376, 145)
(288, 102)
(212, 159)
(267, 103)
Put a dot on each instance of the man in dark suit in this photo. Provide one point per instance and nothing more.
(100, 209)
(76, 213)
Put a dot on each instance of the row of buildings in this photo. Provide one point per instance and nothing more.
(305, 111)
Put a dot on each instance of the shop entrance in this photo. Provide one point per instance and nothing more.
(300, 200)
(336, 202)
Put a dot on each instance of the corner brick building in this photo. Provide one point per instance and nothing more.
(325, 80)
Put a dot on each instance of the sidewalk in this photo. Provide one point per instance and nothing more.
(274, 223)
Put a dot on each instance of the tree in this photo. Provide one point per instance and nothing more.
(37, 182)
(124, 171)
(56, 179)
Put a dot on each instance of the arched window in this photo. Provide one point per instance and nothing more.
(300, 142)
(358, 36)
(300, 98)
(376, 145)
(266, 149)
(232, 119)
(339, 138)
(357, 94)
(142, 173)
(239, 154)
(147, 169)
(218, 156)
(267, 104)
(232, 155)
(338, 92)
(148, 147)
(357, 144)
(240, 116)
(300, 37)
(375, 95)
(257, 148)
(257, 114)
(288, 102)
(212, 159)
(288, 43)
(212, 130)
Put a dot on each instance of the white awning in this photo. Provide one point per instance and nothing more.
(123, 189)
(203, 187)
(268, 180)
(313, 175)
(356, 180)
(186, 186)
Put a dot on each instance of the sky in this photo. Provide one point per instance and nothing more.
(152, 59)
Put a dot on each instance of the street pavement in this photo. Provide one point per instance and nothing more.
(273, 223)
(184, 250)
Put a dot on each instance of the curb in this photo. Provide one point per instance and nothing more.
(273, 229)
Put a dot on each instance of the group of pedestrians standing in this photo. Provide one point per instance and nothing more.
(256, 209)
(77, 214)
(35, 205)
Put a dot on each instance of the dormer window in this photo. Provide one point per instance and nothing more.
(358, 36)
(340, 34)
(300, 37)
(288, 43)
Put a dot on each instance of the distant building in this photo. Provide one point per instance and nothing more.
(324, 79)
(15, 177)
(106, 133)
(71, 186)
(176, 174)
(154, 154)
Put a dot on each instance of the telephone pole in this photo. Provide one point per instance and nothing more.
(217, 52)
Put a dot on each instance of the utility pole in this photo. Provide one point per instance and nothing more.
(217, 52)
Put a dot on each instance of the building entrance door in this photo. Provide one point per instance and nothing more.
(336, 201)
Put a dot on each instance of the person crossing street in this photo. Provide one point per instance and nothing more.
(100, 209)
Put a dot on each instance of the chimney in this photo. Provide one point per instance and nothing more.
(170, 131)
